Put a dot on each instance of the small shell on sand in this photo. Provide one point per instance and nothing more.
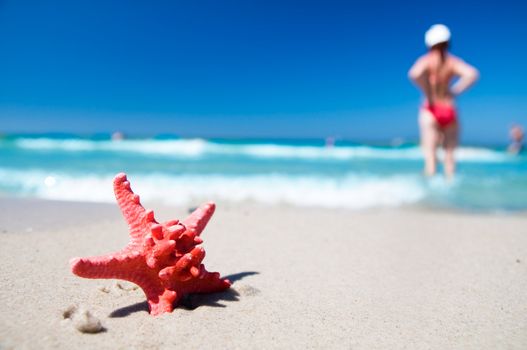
(82, 319)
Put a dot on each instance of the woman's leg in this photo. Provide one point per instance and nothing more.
(449, 144)
(429, 141)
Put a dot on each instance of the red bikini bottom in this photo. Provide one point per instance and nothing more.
(444, 114)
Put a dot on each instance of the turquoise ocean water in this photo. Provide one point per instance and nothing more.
(179, 171)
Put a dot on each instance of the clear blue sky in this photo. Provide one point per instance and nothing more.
(251, 68)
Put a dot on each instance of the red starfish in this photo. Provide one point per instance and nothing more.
(163, 259)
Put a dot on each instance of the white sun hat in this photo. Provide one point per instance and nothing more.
(438, 33)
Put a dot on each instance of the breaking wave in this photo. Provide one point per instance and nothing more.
(351, 191)
(200, 148)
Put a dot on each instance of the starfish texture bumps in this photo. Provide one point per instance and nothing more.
(163, 259)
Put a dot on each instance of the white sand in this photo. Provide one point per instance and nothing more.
(315, 278)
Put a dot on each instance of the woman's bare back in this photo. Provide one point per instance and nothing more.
(440, 73)
(434, 72)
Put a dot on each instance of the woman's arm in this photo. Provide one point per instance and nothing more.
(468, 75)
(418, 75)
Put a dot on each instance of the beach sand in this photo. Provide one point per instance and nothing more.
(303, 278)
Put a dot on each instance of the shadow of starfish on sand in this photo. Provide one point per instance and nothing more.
(192, 301)
(238, 276)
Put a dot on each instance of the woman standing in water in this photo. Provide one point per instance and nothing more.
(438, 120)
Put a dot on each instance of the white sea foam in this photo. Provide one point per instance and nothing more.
(178, 148)
(352, 191)
(72, 145)
(198, 148)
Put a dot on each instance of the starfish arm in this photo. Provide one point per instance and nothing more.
(117, 265)
(162, 302)
(209, 282)
(197, 221)
(134, 213)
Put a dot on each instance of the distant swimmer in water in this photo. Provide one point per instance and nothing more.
(516, 134)
(330, 141)
(438, 119)
(117, 136)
